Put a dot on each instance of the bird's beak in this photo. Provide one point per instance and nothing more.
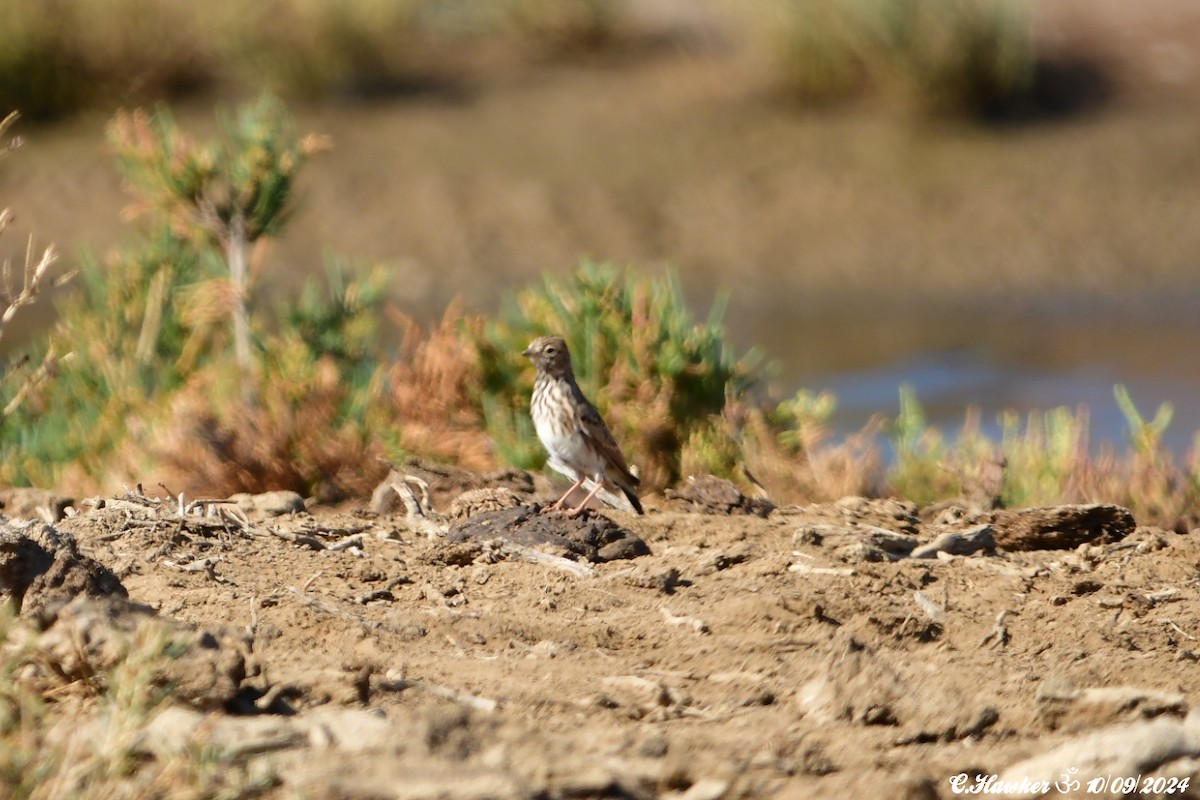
(527, 352)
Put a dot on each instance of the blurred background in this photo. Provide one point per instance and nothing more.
(995, 201)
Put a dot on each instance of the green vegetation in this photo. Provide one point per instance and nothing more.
(56, 58)
(941, 57)
(657, 376)
(1046, 460)
(175, 361)
(170, 363)
(965, 57)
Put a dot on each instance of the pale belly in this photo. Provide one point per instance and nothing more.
(570, 455)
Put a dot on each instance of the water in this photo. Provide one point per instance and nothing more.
(1020, 360)
(947, 383)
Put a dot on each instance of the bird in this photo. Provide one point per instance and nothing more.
(580, 445)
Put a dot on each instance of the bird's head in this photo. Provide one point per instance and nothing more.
(549, 354)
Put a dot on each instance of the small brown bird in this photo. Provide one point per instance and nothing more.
(579, 443)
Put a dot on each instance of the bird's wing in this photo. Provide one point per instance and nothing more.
(592, 426)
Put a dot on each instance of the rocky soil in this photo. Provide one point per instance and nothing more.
(715, 648)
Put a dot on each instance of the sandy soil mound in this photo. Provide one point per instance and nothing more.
(840, 650)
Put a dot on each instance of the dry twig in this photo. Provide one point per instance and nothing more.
(999, 636)
(535, 556)
(473, 701)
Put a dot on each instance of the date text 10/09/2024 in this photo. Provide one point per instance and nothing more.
(1114, 785)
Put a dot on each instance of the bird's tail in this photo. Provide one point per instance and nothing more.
(629, 502)
(633, 500)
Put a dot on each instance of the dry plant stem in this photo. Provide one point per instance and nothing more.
(44, 372)
(535, 556)
(417, 510)
(1172, 624)
(299, 538)
(484, 704)
(935, 612)
(156, 299)
(235, 255)
(31, 283)
(809, 569)
(354, 541)
(232, 238)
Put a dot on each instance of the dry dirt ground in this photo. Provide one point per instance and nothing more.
(810, 652)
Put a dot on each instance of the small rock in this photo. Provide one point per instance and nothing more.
(723, 558)
(29, 503)
(879, 715)
(653, 746)
(890, 542)
(708, 494)
(271, 504)
(477, 501)
(1062, 706)
(622, 549)
(351, 730)
(813, 760)
(705, 789)
(959, 543)
(663, 580)
(811, 535)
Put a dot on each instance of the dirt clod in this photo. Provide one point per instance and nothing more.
(1061, 527)
(271, 504)
(708, 494)
(590, 535)
(86, 638)
(41, 565)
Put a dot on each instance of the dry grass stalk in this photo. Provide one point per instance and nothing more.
(815, 470)
(34, 279)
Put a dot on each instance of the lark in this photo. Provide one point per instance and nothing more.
(579, 443)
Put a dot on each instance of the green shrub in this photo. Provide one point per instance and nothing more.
(1046, 460)
(952, 57)
(56, 58)
(127, 339)
(822, 50)
(174, 365)
(919, 451)
(60, 57)
(311, 415)
(656, 375)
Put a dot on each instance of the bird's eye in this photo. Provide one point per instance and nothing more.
(551, 350)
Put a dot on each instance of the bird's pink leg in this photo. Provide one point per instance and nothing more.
(577, 510)
(562, 499)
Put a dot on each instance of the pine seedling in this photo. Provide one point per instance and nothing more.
(228, 192)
